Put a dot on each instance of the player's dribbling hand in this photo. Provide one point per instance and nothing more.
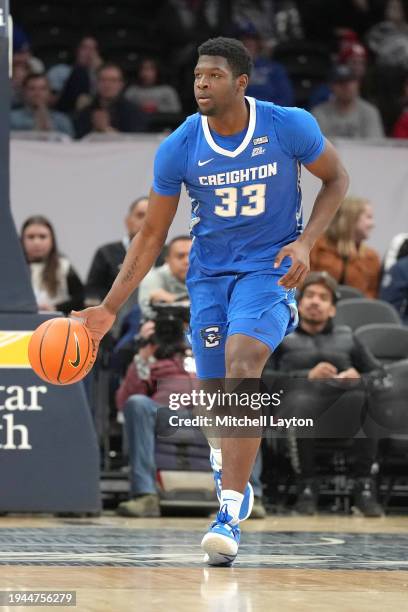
(299, 254)
(97, 319)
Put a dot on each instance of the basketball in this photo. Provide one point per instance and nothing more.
(61, 351)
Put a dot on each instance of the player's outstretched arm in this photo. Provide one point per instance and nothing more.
(140, 257)
(335, 182)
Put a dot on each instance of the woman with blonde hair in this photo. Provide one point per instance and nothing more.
(341, 250)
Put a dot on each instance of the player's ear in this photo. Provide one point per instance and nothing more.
(243, 81)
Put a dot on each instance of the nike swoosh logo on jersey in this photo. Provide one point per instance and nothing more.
(207, 161)
(76, 363)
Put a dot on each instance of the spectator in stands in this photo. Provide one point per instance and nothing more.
(346, 115)
(55, 283)
(20, 72)
(158, 100)
(57, 76)
(80, 87)
(257, 16)
(109, 111)
(22, 52)
(354, 55)
(269, 79)
(108, 260)
(341, 250)
(394, 287)
(388, 39)
(398, 248)
(36, 114)
(182, 25)
(400, 129)
(149, 93)
(156, 371)
(168, 282)
(140, 398)
(325, 363)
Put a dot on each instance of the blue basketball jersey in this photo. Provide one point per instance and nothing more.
(244, 189)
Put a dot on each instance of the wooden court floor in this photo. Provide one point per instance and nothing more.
(318, 564)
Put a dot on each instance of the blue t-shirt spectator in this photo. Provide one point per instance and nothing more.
(270, 82)
(26, 119)
(36, 114)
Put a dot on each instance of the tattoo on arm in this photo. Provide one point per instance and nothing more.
(131, 271)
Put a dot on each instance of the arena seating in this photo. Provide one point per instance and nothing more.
(346, 292)
(356, 312)
(387, 341)
(123, 28)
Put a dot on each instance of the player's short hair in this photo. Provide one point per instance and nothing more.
(234, 52)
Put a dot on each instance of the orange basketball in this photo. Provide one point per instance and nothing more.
(61, 351)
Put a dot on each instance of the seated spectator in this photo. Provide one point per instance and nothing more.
(388, 39)
(269, 80)
(394, 287)
(109, 257)
(140, 399)
(109, 111)
(22, 51)
(57, 76)
(182, 25)
(80, 86)
(346, 114)
(330, 361)
(258, 16)
(55, 283)
(398, 248)
(168, 282)
(341, 250)
(400, 129)
(36, 114)
(20, 72)
(354, 55)
(150, 93)
(159, 359)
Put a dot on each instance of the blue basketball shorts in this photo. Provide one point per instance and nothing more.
(251, 303)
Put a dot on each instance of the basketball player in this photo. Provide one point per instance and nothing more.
(240, 160)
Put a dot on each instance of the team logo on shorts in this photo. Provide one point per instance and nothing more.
(211, 336)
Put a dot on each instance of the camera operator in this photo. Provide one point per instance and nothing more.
(160, 356)
(168, 282)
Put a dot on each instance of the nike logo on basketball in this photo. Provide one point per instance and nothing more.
(76, 363)
(207, 161)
